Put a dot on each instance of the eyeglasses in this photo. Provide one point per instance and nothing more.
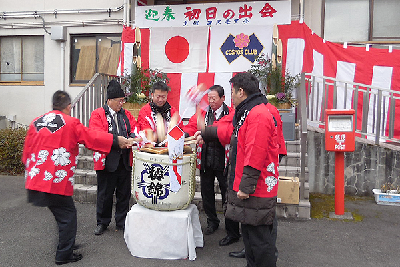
(121, 101)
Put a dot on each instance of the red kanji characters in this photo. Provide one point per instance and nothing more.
(245, 12)
(211, 13)
(192, 14)
(267, 11)
(228, 14)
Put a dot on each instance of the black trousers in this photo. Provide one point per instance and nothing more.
(64, 211)
(232, 228)
(108, 183)
(260, 244)
(207, 178)
(67, 225)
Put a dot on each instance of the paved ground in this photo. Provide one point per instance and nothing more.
(28, 237)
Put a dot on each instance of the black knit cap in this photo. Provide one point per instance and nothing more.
(114, 90)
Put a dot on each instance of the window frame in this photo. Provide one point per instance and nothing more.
(371, 37)
(97, 37)
(21, 81)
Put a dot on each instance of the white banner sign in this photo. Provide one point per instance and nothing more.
(236, 49)
(214, 14)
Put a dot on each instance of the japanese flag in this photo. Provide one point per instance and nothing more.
(179, 50)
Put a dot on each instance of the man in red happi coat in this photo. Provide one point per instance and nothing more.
(158, 108)
(114, 169)
(253, 169)
(50, 157)
(224, 133)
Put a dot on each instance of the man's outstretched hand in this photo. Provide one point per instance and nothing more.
(124, 142)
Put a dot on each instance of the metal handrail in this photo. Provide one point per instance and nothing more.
(92, 96)
(302, 111)
(374, 111)
(374, 106)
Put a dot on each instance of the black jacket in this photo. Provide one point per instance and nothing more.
(116, 153)
(212, 152)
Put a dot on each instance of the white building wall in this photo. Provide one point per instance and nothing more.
(25, 101)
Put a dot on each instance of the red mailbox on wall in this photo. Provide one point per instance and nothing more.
(339, 137)
(339, 130)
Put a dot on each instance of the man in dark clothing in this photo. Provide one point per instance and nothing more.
(212, 157)
(50, 151)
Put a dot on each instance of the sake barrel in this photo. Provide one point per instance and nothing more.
(151, 181)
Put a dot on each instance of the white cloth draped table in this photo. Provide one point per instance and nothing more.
(163, 234)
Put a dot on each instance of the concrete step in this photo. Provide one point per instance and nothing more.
(197, 200)
(85, 193)
(86, 177)
(198, 185)
(86, 180)
(293, 146)
(301, 211)
(83, 151)
(85, 162)
(292, 159)
(291, 171)
(306, 190)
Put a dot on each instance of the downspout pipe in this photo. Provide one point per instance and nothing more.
(62, 65)
(125, 13)
(23, 14)
(302, 11)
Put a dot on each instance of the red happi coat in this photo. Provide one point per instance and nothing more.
(51, 148)
(146, 118)
(281, 141)
(257, 147)
(225, 128)
(98, 121)
(191, 129)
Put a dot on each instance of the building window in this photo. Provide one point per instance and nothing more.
(361, 20)
(94, 54)
(21, 59)
(386, 19)
(346, 20)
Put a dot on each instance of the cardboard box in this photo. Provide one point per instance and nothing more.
(288, 190)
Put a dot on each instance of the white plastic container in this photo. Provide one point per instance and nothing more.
(389, 198)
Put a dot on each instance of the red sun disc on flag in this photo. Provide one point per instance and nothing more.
(177, 49)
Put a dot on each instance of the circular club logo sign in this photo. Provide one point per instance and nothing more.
(177, 49)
